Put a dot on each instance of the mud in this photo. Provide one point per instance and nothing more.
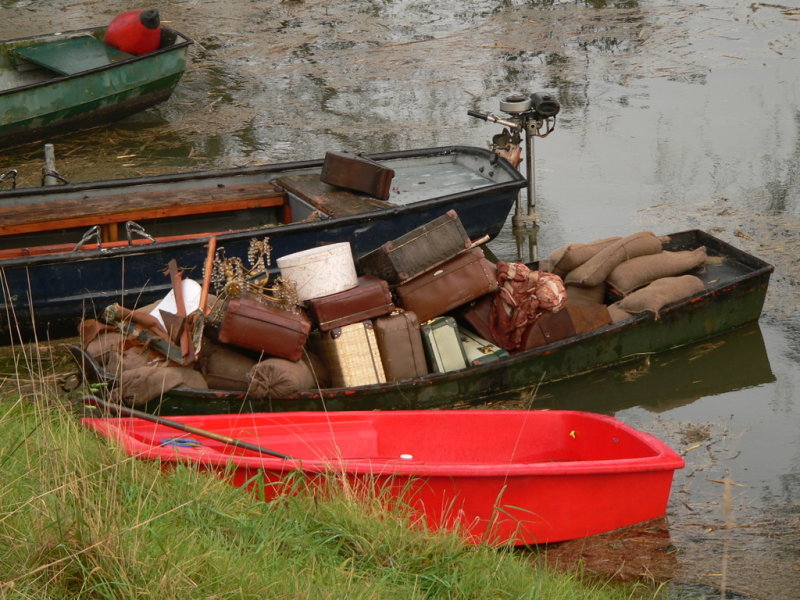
(674, 116)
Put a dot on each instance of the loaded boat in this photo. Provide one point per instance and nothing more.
(53, 83)
(496, 477)
(67, 251)
(731, 288)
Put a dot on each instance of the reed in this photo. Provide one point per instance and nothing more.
(80, 519)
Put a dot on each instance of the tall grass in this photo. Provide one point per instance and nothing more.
(80, 519)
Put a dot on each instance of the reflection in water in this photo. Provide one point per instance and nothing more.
(664, 381)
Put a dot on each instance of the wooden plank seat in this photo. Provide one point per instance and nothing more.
(71, 55)
(329, 199)
(113, 210)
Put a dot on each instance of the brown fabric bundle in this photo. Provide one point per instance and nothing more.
(586, 296)
(224, 368)
(278, 378)
(139, 386)
(632, 274)
(617, 314)
(566, 258)
(595, 270)
(522, 297)
(660, 293)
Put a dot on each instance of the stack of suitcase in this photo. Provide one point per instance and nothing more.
(434, 269)
(393, 323)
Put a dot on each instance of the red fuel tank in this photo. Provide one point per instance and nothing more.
(135, 31)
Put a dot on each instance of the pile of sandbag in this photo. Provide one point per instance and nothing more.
(635, 270)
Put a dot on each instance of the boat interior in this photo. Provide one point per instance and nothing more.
(142, 214)
(34, 60)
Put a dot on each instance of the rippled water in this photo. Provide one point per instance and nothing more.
(674, 116)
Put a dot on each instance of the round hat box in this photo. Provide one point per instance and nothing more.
(320, 271)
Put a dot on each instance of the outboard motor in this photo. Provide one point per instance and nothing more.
(135, 32)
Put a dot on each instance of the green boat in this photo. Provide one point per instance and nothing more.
(735, 286)
(58, 82)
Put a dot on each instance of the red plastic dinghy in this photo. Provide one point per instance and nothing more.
(499, 477)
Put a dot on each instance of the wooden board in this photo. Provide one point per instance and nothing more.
(331, 200)
(102, 210)
(68, 56)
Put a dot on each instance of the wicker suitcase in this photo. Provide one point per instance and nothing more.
(479, 350)
(351, 354)
(354, 172)
(443, 346)
(456, 282)
(248, 323)
(400, 345)
(370, 298)
(418, 250)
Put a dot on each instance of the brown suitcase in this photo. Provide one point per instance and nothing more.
(571, 320)
(370, 298)
(417, 251)
(475, 315)
(351, 354)
(443, 288)
(400, 345)
(355, 172)
(248, 323)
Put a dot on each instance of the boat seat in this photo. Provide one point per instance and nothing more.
(329, 199)
(71, 55)
(109, 211)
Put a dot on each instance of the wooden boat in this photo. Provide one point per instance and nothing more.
(497, 477)
(57, 82)
(735, 287)
(48, 264)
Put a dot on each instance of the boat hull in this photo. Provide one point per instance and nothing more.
(92, 97)
(65, 287)
(537, 477)
(735, 289)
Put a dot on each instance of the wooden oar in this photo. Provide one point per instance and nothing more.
(132, 412)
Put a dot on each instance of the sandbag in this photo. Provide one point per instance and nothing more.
(115, 354)
(660, 293)
(617, 314)
(225, 368)
(637, 272)
(566, 258)
(278, 377)
(139, 386)
(595, 270)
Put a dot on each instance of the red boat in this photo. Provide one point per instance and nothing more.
(497, 477)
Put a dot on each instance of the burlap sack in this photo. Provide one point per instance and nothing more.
(660, 293)
(109, 350)
(632, 274)
(617, 314)
(138, 386)
(586, 296)
(566, 258)
(224, 368)
(595, 270)
(278, 378)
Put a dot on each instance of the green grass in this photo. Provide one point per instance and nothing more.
(80, 519)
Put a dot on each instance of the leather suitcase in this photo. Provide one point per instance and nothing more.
(354, 172)
(479, 350)
(400, 345)
(351, 354)
(475, 315)
(370, 298)
(571, 320)
(418, 250)
(248, 323)
(443, 346)
(456, 282)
